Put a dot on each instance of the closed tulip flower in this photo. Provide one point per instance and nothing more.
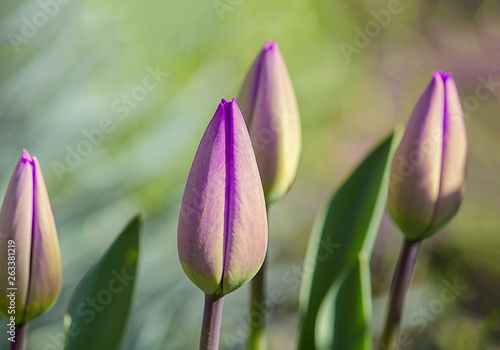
(28, 233)
(428, 172)
(222, 233)
(269, 106)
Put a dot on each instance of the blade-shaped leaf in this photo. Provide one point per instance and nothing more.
(99, 307)
(348, 225)
(343, 318)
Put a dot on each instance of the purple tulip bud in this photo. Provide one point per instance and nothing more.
(28, 242)
(428, 172)
(222, 234)
(271, 113)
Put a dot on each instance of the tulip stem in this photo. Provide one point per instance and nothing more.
(257, 339)
(400, 283)
(212, 316)
(257, 336)
(20, 339)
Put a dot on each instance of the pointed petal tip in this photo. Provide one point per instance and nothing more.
(229, 101)
(221, 110)
(229, 106)
(271, 52)
(26, 157)
(234, 104)
(443, 75)
(270, 45)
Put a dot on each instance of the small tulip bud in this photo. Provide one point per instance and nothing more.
(269, 106)
(28, 235)
(428, 172)
(222, 233)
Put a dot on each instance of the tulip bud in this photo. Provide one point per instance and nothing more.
(269, 106)
(28, 233)
(222, 233)
(428, 171)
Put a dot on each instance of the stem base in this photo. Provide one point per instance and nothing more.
(400, 284)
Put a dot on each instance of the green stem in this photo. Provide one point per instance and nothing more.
(212, 316)
(257, 334)
(400, 283)
(20, 339)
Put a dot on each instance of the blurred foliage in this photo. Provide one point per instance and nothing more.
(338, 254)
(67, 67)
(99, 307)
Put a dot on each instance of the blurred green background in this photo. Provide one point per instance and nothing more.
(67, 68)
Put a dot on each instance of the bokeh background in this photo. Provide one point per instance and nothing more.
(358, 67)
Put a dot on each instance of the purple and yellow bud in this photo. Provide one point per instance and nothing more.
(31, 268)
(222, 233)
(268, 104)
(428, 172)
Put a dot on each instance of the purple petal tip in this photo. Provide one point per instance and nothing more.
(26, 157)
(226, 104)
(442, 74)
(270, 45)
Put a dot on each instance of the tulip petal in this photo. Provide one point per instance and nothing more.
(46, 269)
(249, 90)
(416, 169)
(428, 172)
(222, 234)
(246, 227)
(454, 161)
(201, 221)
(269, 106)
(16, 224)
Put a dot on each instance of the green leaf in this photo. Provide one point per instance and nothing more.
(100, 305)
(347, 226)
(343, 317)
